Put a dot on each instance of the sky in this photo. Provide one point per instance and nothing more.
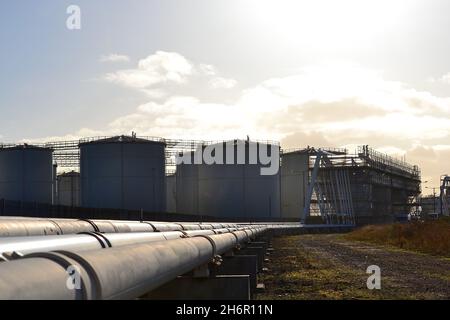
(320, 73)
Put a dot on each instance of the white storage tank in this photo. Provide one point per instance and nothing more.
(229, 190)
(123, 173)
(26, 173)
(68, 189)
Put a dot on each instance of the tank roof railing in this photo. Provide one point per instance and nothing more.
(24, 146)
(100, 138)
(334, 150)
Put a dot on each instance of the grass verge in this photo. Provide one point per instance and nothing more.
(432, 237)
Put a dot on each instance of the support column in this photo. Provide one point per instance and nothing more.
(241, 265)
(258, 251)
(220, 287)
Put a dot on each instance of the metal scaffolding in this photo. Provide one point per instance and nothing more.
(366, 185)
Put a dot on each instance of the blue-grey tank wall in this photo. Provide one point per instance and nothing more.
(227, 190)
(26, 174)
(123, 176)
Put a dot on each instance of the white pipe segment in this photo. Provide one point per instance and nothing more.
(165, 226)
(26, 245)
(25, 227)
(192, 233)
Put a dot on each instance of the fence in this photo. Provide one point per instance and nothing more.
(44, 210)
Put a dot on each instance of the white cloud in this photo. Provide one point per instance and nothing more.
(167, 68)
(113, 57)
(158, 68)
(340, 101)
(446, 78)
(207, 69)
(222, 83)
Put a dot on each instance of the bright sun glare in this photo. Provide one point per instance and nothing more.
(327, 23)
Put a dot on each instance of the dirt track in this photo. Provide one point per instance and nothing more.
(329, 267)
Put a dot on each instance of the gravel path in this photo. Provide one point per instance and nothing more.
(329, 267)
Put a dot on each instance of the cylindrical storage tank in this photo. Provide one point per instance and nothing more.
(171, 189)
(123, 173)
(26, 174)
(233, 186)
(68, 189)
(187, 187)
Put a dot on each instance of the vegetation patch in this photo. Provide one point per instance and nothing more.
(431, 236)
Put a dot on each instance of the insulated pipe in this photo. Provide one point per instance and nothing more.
(192, 233)
(13, 247)
(73, 226)
(206, 226)
(90, 241)
(190, 226)
(126, 226)
(223, 243)
(241, 236)
(165, 226)
(34, 278)
(123, 239)
(221, 230)
(117, 273)
(216, 225)
(122, 272)
(25, 227)
(13, 226)
(102, 226)
(26, 245)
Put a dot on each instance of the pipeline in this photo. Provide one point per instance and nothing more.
(122, 272)
(22, 226)
(16, 247)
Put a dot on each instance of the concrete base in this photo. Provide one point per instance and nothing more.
(241, 265)
(263, 244)
(221, 287)
(258, 251)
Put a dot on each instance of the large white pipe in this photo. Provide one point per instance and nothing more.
(12, 247)
(22, 226)
(124, 272)
(135, 264)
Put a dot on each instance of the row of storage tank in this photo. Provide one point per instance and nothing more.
(118, 173)
(129, 173)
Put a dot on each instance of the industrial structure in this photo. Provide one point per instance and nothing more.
(444, 196)
(363, 187)
(26, 173)
(123, 173)
(430, 205)
(142, 174)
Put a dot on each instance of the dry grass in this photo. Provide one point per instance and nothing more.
(325, 266)
(431, 237)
